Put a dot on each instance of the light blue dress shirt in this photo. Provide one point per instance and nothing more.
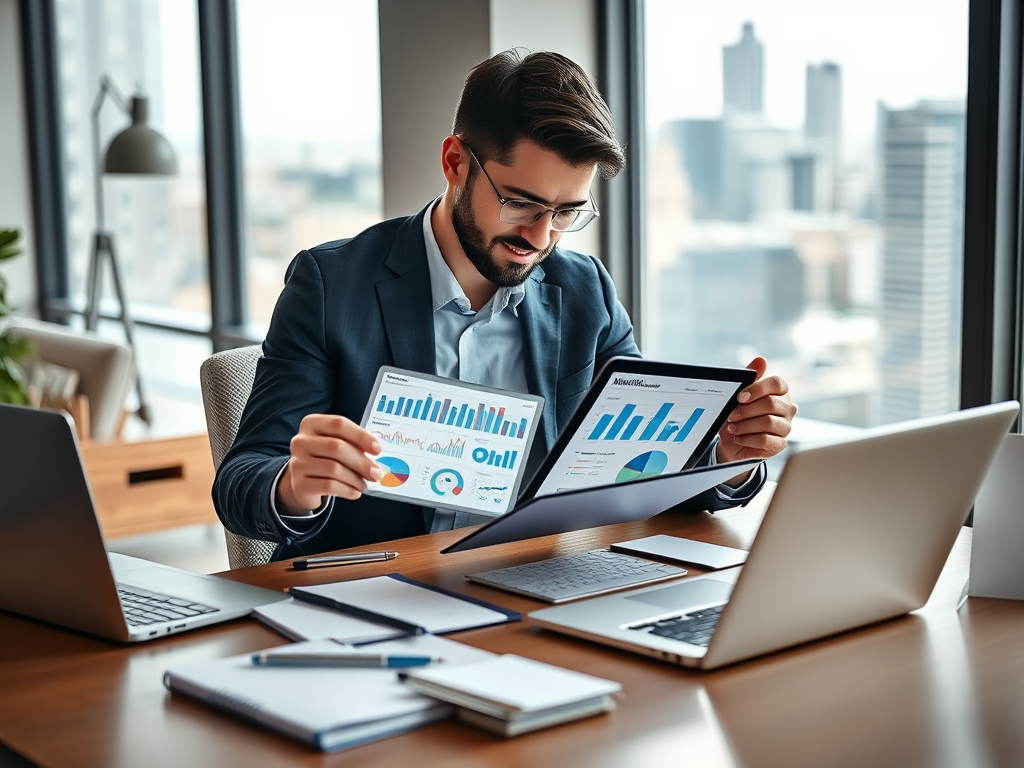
(482, 347)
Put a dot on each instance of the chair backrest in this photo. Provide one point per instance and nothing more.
(104, 367)
(226, 380)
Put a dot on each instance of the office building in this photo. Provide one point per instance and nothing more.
(922, 162)
(743, 74)
(823, 122)
(766, 280)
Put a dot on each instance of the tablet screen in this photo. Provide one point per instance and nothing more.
(446, 443)
(641, 425)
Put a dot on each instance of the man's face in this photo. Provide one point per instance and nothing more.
(506, 254)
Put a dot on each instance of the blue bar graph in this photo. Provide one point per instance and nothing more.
(623, 425)
(441, 410)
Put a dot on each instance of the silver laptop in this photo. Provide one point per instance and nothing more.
(54, 566)
(857, 531)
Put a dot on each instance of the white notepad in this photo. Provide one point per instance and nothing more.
(435, 611)
(510, 694)
(330, 708)
(303, 621)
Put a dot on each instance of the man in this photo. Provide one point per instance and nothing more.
(472, 288)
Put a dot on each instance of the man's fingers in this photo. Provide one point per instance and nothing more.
(770, 404)
(768, 424)
(341, 428)
(343, 453)
(314, 477)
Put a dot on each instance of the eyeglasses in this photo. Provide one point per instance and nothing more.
(526, 213)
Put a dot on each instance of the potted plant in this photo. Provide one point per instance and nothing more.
(12, 383)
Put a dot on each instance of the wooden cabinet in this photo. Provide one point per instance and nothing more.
(150, 485)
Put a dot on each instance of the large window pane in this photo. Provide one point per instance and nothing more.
(805, 197)
(310, 93)
(158, 223)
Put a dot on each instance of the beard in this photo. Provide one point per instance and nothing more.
(479, 251)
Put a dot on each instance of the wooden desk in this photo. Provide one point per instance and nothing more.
(938, 688)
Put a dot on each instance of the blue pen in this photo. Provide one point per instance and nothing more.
(371, 660)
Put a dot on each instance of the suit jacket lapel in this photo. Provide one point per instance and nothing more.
(405, 299)
(542, 328)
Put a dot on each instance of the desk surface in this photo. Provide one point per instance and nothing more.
(937, 688)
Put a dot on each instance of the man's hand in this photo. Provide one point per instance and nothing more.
(758, 426)
(328, 458)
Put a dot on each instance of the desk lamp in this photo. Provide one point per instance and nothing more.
(138, 149)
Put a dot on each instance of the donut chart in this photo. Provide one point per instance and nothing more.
(397, 471)
(446, 482)
(650, 464)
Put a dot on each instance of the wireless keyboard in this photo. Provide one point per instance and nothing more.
(574, 576)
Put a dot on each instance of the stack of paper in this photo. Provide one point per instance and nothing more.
(328, 707)
(509, 695)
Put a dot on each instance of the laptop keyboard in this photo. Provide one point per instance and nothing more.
(572, 576)
(143, 607)
(694, 628)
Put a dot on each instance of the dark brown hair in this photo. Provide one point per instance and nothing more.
(543, 97)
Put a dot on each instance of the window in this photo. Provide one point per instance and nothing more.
(805, 179)
(311, 134)
(158, 223)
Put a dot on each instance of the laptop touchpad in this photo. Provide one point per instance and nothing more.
(688, 595)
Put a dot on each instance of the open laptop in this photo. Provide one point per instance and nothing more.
(857, 531)
(53, 563)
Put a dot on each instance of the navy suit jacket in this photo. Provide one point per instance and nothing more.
(351, 306)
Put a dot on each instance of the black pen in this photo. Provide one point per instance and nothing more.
(359, 613)
(358, 557)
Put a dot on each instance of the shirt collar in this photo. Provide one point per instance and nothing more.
(444, 288)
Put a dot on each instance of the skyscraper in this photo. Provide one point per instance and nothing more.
(922, 162)
(743, 74)
(823, 125)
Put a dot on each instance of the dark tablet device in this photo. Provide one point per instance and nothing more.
(639, 419)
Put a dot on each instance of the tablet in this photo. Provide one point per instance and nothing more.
(450, 444)
(639, 419)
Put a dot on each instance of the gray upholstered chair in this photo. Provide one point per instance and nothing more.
(226, 379)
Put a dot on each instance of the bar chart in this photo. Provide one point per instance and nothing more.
(626, 425)
(444, 412)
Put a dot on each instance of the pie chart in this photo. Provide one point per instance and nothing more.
(648, 464)
(396, 471)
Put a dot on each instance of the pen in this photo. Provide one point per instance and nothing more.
(286, 659)
(360, 613)
(358, 557)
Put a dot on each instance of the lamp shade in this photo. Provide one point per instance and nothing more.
(139, 148)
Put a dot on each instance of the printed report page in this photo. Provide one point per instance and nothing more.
(640, 426)
(448, 445)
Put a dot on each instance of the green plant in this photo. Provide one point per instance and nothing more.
(12, 383)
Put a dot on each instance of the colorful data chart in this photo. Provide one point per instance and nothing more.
(505, 460)
(623, 426)
(650, 464)
(397, 471)
(446, 482)
(482, 418)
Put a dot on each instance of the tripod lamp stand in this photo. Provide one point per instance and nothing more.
(138, 149)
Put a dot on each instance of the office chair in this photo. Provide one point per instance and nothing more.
(226, 380)
(106, 368)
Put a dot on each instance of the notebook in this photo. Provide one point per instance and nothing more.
(48, 508)
(299, 621)
(398, 601)
(509, 694)
(329, 708)
(857, 531)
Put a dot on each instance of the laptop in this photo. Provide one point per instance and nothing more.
(856, 532)
(54, 566)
